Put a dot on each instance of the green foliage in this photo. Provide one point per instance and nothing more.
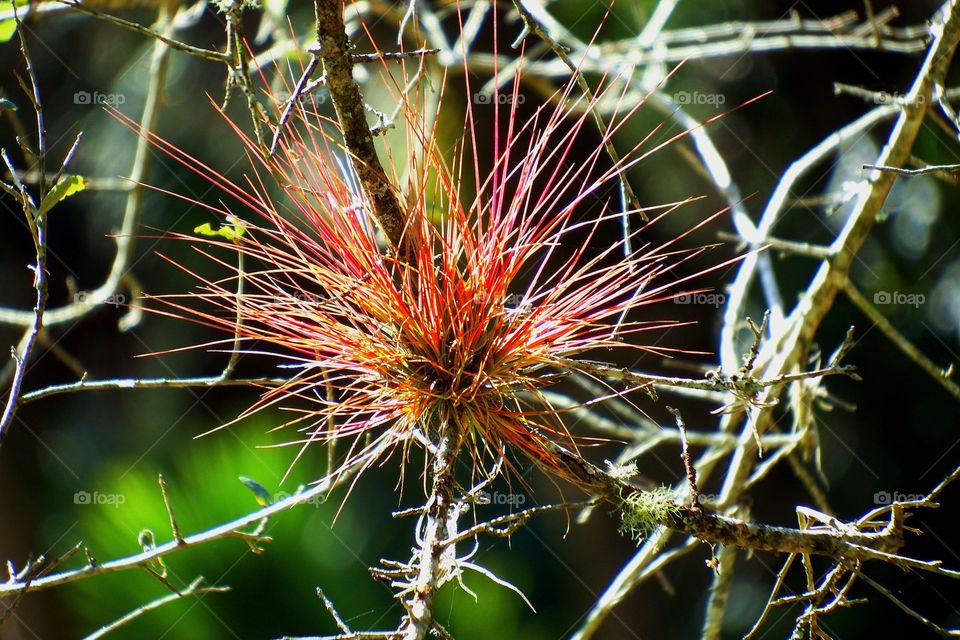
(125, 514)
(233, 230)
(60, 191)
(491, 610)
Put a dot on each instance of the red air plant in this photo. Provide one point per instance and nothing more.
(491, 299)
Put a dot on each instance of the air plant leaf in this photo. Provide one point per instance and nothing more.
(507, 280)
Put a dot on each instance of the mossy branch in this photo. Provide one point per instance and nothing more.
(643, 511)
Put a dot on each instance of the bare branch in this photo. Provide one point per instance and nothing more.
(193, 589)
(36, 217)
(232, 529)
(148, 383)
(131, 216)
(909, 349)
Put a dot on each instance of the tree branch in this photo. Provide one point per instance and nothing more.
(335, 52)
(437, 531)
(230, 529)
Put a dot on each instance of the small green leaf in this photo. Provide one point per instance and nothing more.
(63, 189)
(260, 493)
(230, 231)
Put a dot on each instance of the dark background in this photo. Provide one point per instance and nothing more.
(902, 436)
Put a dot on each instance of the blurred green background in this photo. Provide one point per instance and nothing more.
(111, 445)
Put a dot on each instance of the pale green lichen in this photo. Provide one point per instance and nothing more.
(642, 511)
(621, 472)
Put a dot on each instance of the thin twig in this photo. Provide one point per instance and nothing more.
(159, 36)
(37, 218)
(937, 168)
(943, 631)
(291, 103)
(369, 58)
(687, 462)
(907, 347)
(174, 525)
(131, 216)
(532, 25)
(232, 529)
(333, 612)
(148, 383)
(193, 589)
